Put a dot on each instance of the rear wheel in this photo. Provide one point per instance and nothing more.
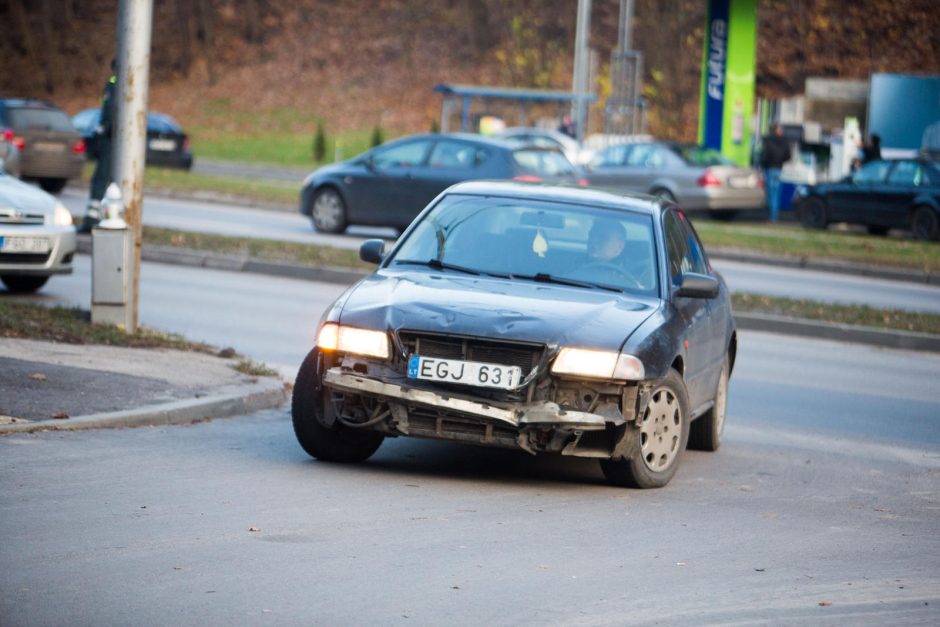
(329, 211)
(705, 432)
(312, 411)
(924, 224)
(663, 435)
(814, 214)
(23, 284)
(53, 186)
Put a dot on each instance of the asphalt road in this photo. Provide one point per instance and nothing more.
(820, 508)
(224, 219)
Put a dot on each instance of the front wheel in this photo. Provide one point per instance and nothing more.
(311, 411)
(814, 214)
(329, 211)
(706, 431)
(23, 284)
(924, 224)
(663, 435)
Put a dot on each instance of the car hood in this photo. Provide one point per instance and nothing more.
(495, 308)
(15, 194)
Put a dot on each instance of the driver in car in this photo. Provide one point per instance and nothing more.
(605, 242)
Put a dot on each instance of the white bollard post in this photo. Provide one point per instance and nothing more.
(112, 259)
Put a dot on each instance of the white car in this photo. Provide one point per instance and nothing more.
(37, 238)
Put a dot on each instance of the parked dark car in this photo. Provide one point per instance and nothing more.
(167, 145)
(883, 194)
(695, 177)
(390, 184)
(51, 151)
(542, 318)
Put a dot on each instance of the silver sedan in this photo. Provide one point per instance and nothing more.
(696, 178)
(37, 238)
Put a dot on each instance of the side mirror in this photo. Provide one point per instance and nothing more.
(695, 285)
(372, 251)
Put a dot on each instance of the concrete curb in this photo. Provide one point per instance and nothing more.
(905, 340)
(264, 394)
(823, 265)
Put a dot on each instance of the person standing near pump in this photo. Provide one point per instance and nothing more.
(102, 176)
(775, 152)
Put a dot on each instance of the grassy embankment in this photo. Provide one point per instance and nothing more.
(73, 326)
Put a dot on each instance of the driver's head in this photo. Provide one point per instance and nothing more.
(606, 239)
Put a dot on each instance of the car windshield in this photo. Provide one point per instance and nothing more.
(40, 119)
(527, 240)
(700, 156)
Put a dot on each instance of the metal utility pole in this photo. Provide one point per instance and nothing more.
(581, 59)
(626, 19)
(135, 24)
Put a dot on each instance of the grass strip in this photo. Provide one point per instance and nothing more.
(261, 249)
(795, 241)
(73, 326)
(860, 315)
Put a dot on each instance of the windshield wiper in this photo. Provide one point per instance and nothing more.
(542, 277)
(437, 264)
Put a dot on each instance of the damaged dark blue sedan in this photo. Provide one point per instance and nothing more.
(547, 319)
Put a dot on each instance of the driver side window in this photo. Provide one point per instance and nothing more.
(873, 172)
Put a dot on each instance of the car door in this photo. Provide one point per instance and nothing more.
(382, 192)
(854, 200)
(694, 312)
(896, 197)
(607, 167)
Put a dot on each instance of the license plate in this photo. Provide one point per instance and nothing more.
(18, 244)
(742, 181)
(162, 144)
(464, 372)
(48, 147)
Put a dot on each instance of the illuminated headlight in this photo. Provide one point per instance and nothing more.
(334, 337)
(598, 364)
(62, 216)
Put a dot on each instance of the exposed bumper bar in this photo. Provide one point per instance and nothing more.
(521, 414)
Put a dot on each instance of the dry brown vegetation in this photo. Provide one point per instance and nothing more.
(360, 63)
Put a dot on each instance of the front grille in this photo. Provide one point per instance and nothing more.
(24, 258)
(526, 356)
(429, 423)
(14, 218)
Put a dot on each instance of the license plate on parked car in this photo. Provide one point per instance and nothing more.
(11, 244)
(162, 144)
(48, 147)
(464, 372)
(742, 181)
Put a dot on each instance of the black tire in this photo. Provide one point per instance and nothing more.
(706, 430)
(924, 224)
(328, 212)
(23, 284)
(53, 186)
(668, 411)
(309, 405)
(814, 214)
(877, 230)
(664, 195)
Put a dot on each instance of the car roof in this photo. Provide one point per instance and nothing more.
(15, 103)
(562, 193)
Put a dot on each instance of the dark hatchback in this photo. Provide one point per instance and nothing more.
(50, 150)
(390, 184)
(167, 145)
(882, 195)
(541, 318)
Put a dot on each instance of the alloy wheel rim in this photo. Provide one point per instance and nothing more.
(661, 430)
(326, 211)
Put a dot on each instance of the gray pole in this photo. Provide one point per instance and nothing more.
(135, 19)
(580, 82)
(626, 18)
